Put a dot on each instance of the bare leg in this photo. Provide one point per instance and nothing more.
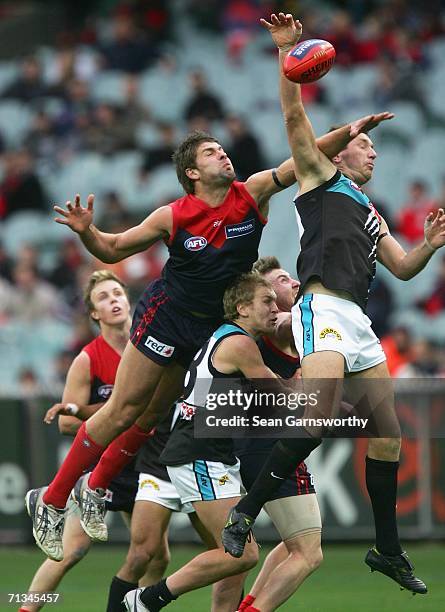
(304, 556)
(75, 545)
(212, 565)
(148, 555)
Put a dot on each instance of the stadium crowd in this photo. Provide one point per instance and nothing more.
(63, 115)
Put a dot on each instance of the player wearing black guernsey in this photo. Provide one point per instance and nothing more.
(342, 235)
(206, 471)
(212, 235)
(293, 508)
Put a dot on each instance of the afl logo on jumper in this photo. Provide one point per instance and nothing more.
(195, 243)
(240, 229)
(104, 391)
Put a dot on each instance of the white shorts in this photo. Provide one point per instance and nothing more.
(161, 492)
(327, 323)
(206, 480)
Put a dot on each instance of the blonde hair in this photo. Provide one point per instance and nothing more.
(98, 277)
(242, 291)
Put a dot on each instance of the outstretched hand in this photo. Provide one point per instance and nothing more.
(434, 229)
(76, 217)
(285, 31)
(365, 124)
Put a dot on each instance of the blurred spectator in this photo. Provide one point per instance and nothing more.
(435, 303)
(128, 51)
(6, 264)
(341, 34)
(240, 20)
(202, 103)
(68, 260)
(206, 15)
(29, 85)
(133, 111)
(313, 93)
(106, 133)
(161, 154)
(244, 149)
(77, 104)
(114, 217)
(412, 216)
(20, 188)
(380, 306)
(398, 349)
(82, 333)
(61, 365)
(41, 140)
(425, 361)
(396, 81)
(29, 384)
(33, 298)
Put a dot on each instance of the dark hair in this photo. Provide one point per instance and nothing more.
(185, 157)
(266, 264)
(242, 291)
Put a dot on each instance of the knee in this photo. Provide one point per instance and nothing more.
(384, 449)
(249, 558)
(127, 415)
(74, 556)
(140, 556)
(314, 559)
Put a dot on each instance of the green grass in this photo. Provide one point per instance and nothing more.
(342, 584)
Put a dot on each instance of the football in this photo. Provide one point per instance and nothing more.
(309, 61)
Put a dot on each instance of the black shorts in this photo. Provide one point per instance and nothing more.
(163, 332)
(300, 483)
(122, 491)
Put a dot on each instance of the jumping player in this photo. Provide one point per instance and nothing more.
(89, 383)
(212, 234)
(342, 235)
(293, 508)
(206, 471)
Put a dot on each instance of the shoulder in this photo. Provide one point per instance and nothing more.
(81, 365)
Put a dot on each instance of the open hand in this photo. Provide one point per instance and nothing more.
(285, 31)
(57, 409)
(434, 229)
(365, 124)
(76, 217)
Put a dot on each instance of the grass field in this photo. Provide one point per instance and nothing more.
(342, 584)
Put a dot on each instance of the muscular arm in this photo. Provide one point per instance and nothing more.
(111, 248)
(404, 265)
(77, 390)
(241, 354)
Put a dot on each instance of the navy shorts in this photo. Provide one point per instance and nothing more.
(163, 332)
(300, 483)
(122, 491)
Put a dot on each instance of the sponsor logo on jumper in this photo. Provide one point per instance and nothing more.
(354, 186)
(147, 482)
(195, 243)
(108, 495)
(165, 350)
(222, 481)
(302, 49)
(104, 391)
(240, 229)
(217, 223)
(328, 332)
(187, 411)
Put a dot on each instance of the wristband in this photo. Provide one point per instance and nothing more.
(72, 409)
(276, 180)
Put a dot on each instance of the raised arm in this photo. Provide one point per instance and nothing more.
(406, 265)
(312, 167)
(111, 248)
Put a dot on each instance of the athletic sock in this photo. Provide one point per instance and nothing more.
(157, 596)
(82, 454)
(381, 482)
(118, 589)
(286, 455)
(246, 602)
(119, 453)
